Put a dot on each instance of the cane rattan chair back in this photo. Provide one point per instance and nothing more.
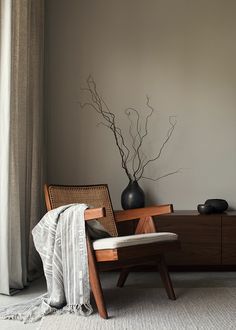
(95, 196)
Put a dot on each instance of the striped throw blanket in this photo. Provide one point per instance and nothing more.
(61, 242)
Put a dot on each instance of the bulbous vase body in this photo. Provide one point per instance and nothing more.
(133, 196)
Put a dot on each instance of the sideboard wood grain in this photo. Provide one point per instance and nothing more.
(228, 240)
(200, 238)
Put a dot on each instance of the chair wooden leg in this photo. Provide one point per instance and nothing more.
(95, 283)
(164, 273)
(123, 277)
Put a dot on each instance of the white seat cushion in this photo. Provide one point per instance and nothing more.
(123, 241)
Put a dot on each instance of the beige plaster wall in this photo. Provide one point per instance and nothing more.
(182, 53)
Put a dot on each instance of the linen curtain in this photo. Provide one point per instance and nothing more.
(21, 138)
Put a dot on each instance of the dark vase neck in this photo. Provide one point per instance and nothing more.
(133, 181)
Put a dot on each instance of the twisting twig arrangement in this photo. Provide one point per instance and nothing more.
(133, 159)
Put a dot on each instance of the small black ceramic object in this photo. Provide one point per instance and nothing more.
(218, 205)
(205, 209)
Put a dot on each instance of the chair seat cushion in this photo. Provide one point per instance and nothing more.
(123, 241)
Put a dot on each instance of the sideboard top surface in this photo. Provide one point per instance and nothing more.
(195, 213)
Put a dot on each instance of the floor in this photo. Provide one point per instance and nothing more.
(36, 288)
(185, 280)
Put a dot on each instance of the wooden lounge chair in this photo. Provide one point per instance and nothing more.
(115, 252)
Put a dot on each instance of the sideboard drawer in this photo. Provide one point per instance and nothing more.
(200, 237)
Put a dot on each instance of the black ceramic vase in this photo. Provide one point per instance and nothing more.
(133, 196)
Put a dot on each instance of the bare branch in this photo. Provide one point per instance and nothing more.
(140, 166)
(163, 176)
(168, 136)
(133, 161)
(87, 104)
(98, 105)
(133, 138)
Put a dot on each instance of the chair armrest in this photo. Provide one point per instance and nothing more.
(91, 214)
(142, 212)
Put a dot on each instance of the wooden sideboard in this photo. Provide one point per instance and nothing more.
(206, 240)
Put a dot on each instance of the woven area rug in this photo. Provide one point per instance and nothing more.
(148, 308)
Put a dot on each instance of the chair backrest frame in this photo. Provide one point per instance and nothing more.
(94, 195)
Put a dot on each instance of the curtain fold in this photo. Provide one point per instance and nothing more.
(5, 72)
(21, 139)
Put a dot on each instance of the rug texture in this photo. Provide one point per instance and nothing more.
(132, 308)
